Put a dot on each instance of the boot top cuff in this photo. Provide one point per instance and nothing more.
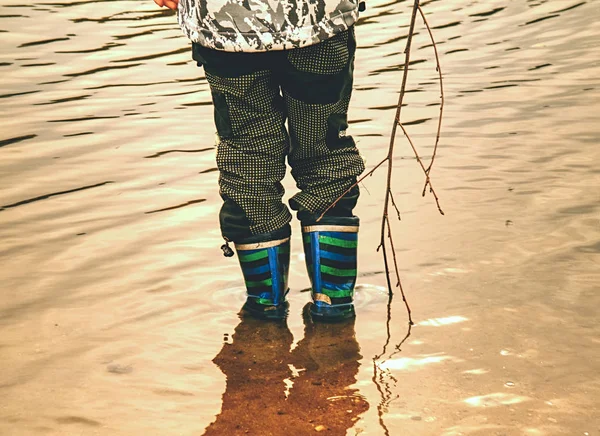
(330, 228)
(259, 245)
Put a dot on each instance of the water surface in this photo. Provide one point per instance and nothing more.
(119, 315)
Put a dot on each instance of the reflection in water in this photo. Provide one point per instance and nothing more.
(272, 390)
(383, 378)
(103, 284)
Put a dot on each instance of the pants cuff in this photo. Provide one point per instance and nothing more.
(282, 233)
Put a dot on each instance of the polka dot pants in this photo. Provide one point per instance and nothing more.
(253, 95)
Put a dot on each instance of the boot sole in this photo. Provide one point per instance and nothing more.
(261, 311)
(330, 316)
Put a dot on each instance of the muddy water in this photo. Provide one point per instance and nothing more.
(119, 315)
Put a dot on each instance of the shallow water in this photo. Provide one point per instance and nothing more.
(116, 299)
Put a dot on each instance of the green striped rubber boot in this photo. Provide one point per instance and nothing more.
(330, 252)
(265, 266)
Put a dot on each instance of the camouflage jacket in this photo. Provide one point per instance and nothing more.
(262, 25)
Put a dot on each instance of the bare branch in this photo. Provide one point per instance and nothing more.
(427, 179)
(386, 231)
(379, 375)
(438, 68)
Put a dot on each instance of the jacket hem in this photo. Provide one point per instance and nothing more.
(271, 41)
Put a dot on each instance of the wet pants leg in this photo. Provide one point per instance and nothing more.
(253, 93)
(317, 87)
(253, 144)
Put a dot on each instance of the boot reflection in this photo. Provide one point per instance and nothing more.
(328, 358)
(256, 365)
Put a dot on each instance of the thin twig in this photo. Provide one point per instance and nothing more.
(386, 231)
(369, 173)
(398, 347)
(438, 68)
(384, 218)
(394, 204)
(385, 259)
(388, 328)
(399, 282)
(427, 179)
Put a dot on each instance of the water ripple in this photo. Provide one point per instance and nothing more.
(6, 142)
(179, 206)
(162, 153)
(45, 41)
(99, 282)
(54, 194)
(100, 69)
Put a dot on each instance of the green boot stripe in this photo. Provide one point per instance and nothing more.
(252, 256)
(338, 294)
(337, 242)
(255, 284)
(338, 272)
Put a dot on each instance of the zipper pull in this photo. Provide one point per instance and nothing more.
(227, 251)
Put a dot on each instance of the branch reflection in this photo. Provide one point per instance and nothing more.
(382, 377)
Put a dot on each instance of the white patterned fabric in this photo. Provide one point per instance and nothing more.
(263, 25)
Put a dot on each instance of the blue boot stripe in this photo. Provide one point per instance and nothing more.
(273, 265)
(327, 306)
(258, 270)
(335, 256)
(316, 261)
(338, 287)
(340, 235)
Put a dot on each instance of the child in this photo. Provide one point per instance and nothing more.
(267, 61)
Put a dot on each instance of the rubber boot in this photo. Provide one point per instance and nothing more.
(265, 266)
(330, 248)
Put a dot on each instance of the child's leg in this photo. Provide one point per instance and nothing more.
(253, 143)
(325, 163)
(251, 153)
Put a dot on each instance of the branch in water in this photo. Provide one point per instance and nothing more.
(380, 374)
(386, 231)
